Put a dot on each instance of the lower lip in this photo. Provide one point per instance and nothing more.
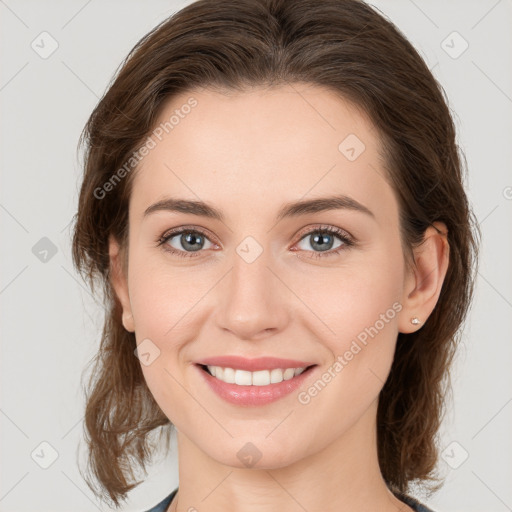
(254, 395)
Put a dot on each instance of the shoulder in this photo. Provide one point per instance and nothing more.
(162, 506)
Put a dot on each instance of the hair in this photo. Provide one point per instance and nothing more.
(354, 51)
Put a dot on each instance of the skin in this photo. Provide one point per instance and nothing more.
(247, 153)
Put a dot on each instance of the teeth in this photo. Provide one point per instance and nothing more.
(259, 378)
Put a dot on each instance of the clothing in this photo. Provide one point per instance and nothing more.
(162, 506)
(412, 502)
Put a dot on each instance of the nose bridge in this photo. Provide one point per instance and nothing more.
(251, 303)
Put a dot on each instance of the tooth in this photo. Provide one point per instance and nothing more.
(243, 378)
(288, 373)
(256, 378)
(229, 375)
(276, 376)
(261, 378)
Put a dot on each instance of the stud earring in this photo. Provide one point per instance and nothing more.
(415, 320)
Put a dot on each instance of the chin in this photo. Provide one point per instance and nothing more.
(256, 453)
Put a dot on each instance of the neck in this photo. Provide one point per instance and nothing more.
(342, 477)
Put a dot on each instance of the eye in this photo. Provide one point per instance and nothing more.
(184, 242)
(323, 239)
(188, 242)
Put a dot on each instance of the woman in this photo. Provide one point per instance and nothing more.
(273, 203)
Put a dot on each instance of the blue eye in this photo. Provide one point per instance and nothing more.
(189, 239)
(323, 239)
(189, 242)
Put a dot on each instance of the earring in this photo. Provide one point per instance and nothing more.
(415, 320)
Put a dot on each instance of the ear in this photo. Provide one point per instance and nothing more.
(424, 282)
(120, 282)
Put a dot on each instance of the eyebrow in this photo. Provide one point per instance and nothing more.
(288, 210)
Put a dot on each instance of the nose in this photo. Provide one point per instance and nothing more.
(252, 301)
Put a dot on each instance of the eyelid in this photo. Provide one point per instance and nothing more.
(325, 228)
(186, 229)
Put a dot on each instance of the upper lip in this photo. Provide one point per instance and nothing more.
(252, 365)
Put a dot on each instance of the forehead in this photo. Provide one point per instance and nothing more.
(261, 147)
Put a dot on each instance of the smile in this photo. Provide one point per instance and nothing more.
(258, 378)
(253, 388)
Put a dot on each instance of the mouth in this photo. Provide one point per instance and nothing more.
(256, 388)
(254, 378)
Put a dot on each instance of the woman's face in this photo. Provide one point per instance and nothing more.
(259, 284)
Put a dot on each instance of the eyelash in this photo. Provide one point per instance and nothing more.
(331, 230)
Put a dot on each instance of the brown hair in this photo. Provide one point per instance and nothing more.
(343, 45)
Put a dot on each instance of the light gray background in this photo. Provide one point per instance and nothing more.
(50, 324)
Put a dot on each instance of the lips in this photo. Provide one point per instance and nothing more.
(253, 365)
(251, 395)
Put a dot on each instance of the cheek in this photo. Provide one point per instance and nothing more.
(360, 306)
(163, 310)
(349, 299)
(162, 296)
(363, 317)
